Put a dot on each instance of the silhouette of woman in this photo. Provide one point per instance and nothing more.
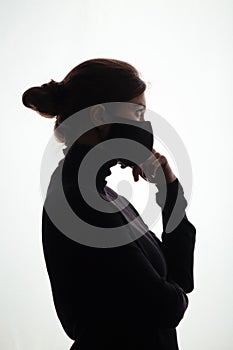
(130, 295)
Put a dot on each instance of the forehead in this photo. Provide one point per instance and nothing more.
(132, 104)
(139, 99)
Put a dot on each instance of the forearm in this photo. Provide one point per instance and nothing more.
(178, 245)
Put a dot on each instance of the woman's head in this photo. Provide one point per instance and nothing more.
(90, 83)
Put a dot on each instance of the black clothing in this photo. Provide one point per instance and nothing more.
(126, 297)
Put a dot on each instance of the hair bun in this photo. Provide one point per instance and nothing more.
(55, 88)
(44, 99)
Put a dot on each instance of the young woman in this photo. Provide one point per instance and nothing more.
(125, 296)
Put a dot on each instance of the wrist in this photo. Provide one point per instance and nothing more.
(170, 179)
(168, 173)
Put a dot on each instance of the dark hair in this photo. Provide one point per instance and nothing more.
(91, 82)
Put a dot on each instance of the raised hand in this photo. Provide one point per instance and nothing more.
(151, 170)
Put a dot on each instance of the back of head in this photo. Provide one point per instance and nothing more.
(91, 82)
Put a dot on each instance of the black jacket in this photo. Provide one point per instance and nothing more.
(127, 297)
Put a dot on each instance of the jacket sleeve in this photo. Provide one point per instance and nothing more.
(140, 291)
(177, 245)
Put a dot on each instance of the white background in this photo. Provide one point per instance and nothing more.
(185, 50)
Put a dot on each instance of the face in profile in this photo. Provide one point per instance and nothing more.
(135, 111)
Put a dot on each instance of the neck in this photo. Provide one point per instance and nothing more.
(73, 159)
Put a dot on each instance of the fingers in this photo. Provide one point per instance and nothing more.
(123, 166)
(136, 172)
(162, 159)
(150, 166)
